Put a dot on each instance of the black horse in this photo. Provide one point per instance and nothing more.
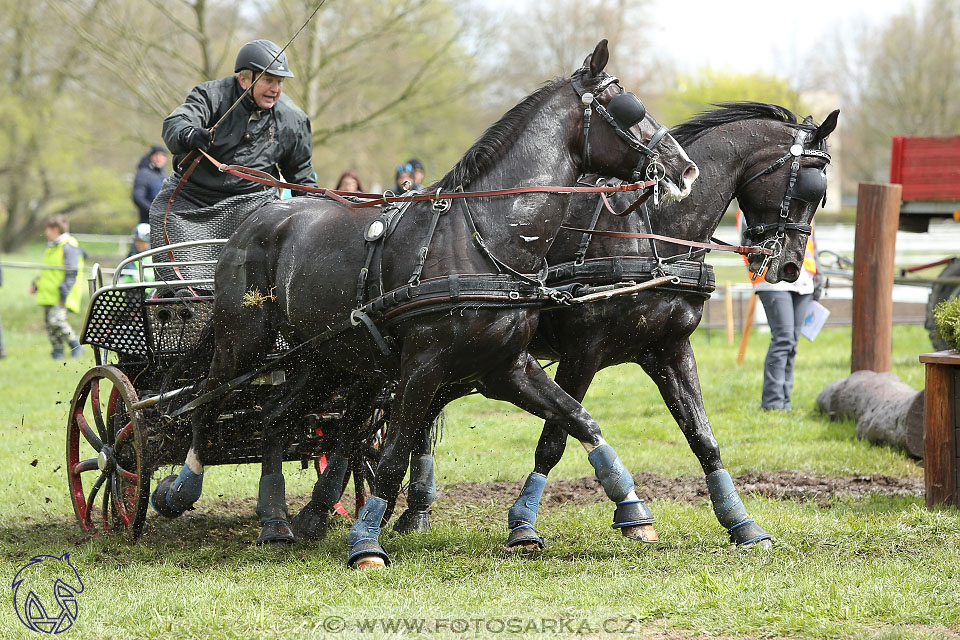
(309, 252)
(745, 151)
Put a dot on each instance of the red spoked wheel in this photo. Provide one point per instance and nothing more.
(106, 460)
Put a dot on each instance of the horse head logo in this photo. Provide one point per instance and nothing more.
(47, 581)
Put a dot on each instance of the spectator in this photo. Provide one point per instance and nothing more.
(58, 288)
(418, 173)
(785, 305)
(141, 242)
(349, 181)
(146, 184)
(403, 180)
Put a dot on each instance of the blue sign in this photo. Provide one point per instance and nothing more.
(45, 594)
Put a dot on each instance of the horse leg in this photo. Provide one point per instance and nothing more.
(241, 336)
(422, 490)
(526, 385)
(312, 520)
(409, 417)
(674, 370)
(574, 375)
(271, 496)
(176, 494)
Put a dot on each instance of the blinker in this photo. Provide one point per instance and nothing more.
(811, 185)
(626, 109)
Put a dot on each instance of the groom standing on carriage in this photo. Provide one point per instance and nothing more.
(265, 131)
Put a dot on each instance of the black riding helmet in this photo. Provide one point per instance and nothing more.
(258, 54)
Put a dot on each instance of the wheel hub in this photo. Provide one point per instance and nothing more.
(105, 460)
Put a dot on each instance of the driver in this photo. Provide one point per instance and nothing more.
(266, 131)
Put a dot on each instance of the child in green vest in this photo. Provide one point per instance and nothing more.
(59, 289)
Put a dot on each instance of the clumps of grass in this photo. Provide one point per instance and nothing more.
(254, 298)
(946, 315)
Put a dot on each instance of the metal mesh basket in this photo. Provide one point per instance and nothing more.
(115, 322)
(174, 326)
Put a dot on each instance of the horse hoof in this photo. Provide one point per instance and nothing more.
(275, 532)
(641, 532)
(310, 524)
(749, 534)
(369, 562)
(367, 554)
(413, 521)
(159, 498)
(766, 543)
(524, 539)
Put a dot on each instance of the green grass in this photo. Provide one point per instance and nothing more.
(881, 567)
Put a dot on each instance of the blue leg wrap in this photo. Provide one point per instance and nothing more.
(367, 526)
(726, 502)
(331, 481)
(613, 476)
(186, 490)
(423, 489)
(524, 510)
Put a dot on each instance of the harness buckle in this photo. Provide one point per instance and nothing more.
(513, 295)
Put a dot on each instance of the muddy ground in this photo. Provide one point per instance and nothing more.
(780, 485)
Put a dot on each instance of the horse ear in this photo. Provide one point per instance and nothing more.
(827, 127)
(597, 60)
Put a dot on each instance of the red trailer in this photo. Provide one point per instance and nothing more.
(928, 168)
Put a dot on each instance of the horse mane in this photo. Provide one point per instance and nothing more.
(496, 141)
(727, 112)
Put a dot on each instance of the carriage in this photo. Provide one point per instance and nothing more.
(117, 433)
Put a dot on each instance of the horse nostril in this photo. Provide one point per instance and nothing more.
(790, 269)
(690, 174)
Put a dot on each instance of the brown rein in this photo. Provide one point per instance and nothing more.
(375, 199)
(742, 250)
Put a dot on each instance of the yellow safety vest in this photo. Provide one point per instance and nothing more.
(48, 284)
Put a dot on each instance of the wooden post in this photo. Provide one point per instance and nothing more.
(941, 431)
(747, 325)
(878, 210)
(728, 310)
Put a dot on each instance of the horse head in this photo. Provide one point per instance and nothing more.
(784, 186)
(621, 139)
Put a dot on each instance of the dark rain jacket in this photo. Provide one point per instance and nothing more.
(272, 140)
(146, 186)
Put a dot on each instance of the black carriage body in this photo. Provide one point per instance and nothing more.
(149, 335)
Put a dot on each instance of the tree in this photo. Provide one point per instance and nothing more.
(542, 40)
(900, 78)
(695, 93)
(44, 167)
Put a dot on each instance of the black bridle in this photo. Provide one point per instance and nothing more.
(799, 187)
(654, 170)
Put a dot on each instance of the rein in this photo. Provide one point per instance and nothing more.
(375, 199)
(742, 250)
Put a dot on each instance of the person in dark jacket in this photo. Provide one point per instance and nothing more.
(266, 131)
(146, 184)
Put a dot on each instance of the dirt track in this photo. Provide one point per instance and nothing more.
(781, 485)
